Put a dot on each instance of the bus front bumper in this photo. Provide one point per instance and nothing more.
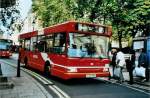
(80, 75)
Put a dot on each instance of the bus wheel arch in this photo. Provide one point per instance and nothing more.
(47, 68)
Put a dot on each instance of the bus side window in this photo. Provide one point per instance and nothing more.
(34, 46)
(33, 43)
(59, 43)
(41, 43)
(41, 46)
(49, 43)
(27, 44)
(21, 43)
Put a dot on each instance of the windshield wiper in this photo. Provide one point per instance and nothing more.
(103, 57)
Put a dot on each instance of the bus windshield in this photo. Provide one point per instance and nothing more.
(84, 45)
(5, 45)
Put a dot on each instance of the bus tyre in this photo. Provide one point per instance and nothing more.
(47, 68)
(26, 62)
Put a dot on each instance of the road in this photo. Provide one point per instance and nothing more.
(91, 88)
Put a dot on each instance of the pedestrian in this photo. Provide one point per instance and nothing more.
(137, 54)
(143, 61)
(113, 61)
(120, 63)
(130, 65)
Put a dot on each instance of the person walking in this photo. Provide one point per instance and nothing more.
(142, 61)
(113, 62)
(130, 65)
(120, 63)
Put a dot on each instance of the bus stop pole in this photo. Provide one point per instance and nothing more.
(18, 68)
(18, 65)
(0, 70)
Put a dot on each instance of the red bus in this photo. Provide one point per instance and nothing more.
(5, 47)
(68, 50)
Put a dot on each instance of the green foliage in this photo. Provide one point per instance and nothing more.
(51, 11)
(8, 18)
(126, 16)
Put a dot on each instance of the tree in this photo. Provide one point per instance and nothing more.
(93, 11)
(51, 11)
(9, 17)
(126, 16)
(142, 17)
(129, 17)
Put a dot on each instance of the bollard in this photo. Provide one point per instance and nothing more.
(0, 70)
(18, 68)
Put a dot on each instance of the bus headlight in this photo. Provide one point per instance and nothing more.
(106, 68)
(10, 53)
(71, 69)
(106, 65)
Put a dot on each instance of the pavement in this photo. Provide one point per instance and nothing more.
(23, 87)
(138, 82)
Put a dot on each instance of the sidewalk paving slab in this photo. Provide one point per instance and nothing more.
(137, 82)
(24, 86)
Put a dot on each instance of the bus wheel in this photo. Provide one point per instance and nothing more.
(26, 62)
(47, 68)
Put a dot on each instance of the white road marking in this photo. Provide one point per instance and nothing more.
(56, 92)
(58, 89)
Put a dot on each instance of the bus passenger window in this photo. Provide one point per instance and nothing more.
(49, 43)
(33, 43)
(27, 44)
(21, 43)
(59, 43)
(41, 46)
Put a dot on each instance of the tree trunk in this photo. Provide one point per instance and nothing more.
(104, 19)
(120, 39)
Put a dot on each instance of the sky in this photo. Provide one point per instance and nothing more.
(25, 6)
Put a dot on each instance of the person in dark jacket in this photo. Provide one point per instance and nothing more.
(142, 61)
(113, 62)
(130, 65)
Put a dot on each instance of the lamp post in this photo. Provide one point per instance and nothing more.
(18, 63)
(0, 70)
(33, 24)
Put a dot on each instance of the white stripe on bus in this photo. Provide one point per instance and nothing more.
(46, 58)
(79, 67)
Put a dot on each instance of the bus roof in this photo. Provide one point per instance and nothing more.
(28, 35)
(69, 26)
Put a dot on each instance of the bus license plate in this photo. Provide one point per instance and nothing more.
(90, 75)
